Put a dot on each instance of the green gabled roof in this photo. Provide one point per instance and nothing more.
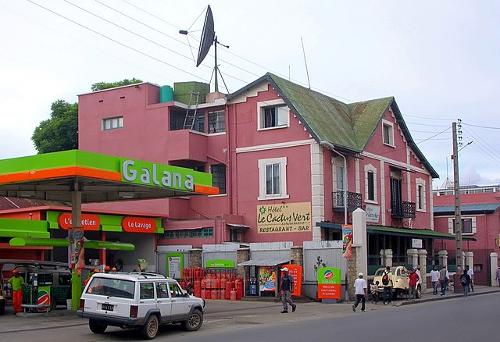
(346, 126)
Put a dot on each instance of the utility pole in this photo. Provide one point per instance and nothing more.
(456, 188)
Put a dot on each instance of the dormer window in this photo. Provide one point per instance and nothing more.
(272, 114)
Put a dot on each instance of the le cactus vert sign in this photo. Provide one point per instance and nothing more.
(284, 218)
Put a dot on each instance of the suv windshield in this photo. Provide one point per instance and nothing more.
(112, 287)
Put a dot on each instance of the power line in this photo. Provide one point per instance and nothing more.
(429, 117)
(421, 124)
(114, 40)
(421, 141)
(487, 127)
(484, 146)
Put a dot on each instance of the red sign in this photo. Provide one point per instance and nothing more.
(88, 221)
(329, 291)
(296, 272)
(138, 225)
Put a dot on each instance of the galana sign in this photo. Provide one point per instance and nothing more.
(284, 218)
(88, 221)
(146, 173)
(132, 224)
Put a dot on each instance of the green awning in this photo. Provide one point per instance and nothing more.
(90, 244)
(416, 233)
(23, 228)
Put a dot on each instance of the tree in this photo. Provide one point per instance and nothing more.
(107, 85)
(60, 132)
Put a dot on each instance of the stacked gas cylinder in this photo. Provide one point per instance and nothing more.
(213, 284)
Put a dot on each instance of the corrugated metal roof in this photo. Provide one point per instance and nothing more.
(468, 208)
(265, 262)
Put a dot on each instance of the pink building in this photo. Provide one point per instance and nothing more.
(283, 157)
(480, 221)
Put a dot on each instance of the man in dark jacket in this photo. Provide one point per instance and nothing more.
(286, 289)
(465, 282)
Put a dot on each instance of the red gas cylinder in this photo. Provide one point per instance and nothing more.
(215, 294)
(223, 283)
(203, 284)
(203, 293)
(222, 294)
(238, 283)
(233, 295)
(217, 283)
(207, 294)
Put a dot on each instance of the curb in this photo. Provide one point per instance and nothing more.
(434, 299)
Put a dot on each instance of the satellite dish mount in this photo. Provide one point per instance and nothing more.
(208, 38)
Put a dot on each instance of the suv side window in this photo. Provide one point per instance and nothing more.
(175, 290)
(147, 291)
(162, 290)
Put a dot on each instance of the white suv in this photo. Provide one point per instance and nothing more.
(140, 300)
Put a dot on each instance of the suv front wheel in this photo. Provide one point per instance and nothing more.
(150, 329)
(194, 321)
(96, 327)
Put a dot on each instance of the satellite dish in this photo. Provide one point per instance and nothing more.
(207, 36)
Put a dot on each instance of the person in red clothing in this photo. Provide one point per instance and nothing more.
(17, 283)
(413, 283)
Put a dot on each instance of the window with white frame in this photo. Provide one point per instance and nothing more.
(468, 225)
(370, 184)
(420, 194)
(388, 133)
(216, 122)
(112, 123)
(273, 117)
(272, 178)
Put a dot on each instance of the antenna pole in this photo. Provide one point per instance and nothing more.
(305, 62)
(216, 68)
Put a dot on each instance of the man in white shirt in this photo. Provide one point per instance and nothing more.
(435, 280)
(360, 287)
(470, 272)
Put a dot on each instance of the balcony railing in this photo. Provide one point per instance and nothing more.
(404, 210)
(354, 200)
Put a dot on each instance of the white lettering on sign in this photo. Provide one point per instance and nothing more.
(143, 225)
(152, 176)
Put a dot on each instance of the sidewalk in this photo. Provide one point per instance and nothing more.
(429, 297)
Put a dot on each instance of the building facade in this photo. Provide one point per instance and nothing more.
(291, 164)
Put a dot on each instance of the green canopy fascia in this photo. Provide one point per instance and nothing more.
(415, 233)
(12, 228)
(91, 244)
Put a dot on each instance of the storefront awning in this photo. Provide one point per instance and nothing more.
(239, 227)
(416, 233)
(329, 225)
(265, 262)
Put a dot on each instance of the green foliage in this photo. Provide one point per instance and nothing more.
(60, 132)
(107, 85)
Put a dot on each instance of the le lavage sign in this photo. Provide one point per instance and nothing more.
(131, 224)
(284, 218)
(89, 222)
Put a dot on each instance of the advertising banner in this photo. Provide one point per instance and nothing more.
(296, 272)
(220, 263)
(138, 224)
(175, 265)
(329, 283)
(372, 213)
(284, 218)
(75, 248)
(88, 222)
(267, 279)
(347, 241)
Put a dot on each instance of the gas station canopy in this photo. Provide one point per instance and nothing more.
(98, 177)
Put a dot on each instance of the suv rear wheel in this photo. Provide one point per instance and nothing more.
(194, 321)
(97, 327)
(150, 329)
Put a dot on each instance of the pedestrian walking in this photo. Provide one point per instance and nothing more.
(360, 288)
(498, 276)
(286, 291)
(470, 272)
(465, 281)
(435, 280)
(387, 283)
(442, 279)
(413, 279)
(17, 282)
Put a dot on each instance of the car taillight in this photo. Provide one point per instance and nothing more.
(82, 304)
(133, 311)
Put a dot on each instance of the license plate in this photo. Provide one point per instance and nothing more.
(107, 307)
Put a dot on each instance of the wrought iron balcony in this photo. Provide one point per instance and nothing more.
(354, 200)
(404, 210)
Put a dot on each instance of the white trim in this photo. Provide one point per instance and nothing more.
(472, 218)
(262, 178)
(253, 92)
(317, 190)
(431, 204)
(271, 103)
(219, 195)
(420, 182)
(388, 123)
(395, 162)
(382, 192)
(256, 148)
(373, 169)
(205, 134)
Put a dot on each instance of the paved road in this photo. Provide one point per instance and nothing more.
(461, 319)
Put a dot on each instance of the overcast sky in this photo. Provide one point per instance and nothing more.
(440, 59)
